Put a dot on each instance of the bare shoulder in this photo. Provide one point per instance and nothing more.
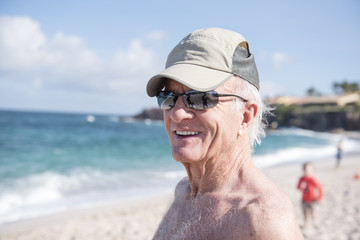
(182, 188)
(273, 215)
(279, 218)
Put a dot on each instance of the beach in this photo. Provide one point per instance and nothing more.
(337, 215)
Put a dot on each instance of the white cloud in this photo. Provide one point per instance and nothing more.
(66, 62)
(277, 60)
(136, 58)
(21, 41)
(70, 55)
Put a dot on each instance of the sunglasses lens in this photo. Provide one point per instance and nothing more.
(166, 100)
(201, 100)
(192, 99)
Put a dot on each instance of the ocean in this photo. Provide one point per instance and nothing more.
(52, 162)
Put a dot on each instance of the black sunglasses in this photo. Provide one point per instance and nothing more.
(192, 99)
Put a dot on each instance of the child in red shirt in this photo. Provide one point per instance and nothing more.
(312, 191)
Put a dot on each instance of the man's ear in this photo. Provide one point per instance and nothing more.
(249, 115)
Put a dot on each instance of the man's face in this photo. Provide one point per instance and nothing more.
(201, 134)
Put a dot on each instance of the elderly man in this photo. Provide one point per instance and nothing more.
(213, 113)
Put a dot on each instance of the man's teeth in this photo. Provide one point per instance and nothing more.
(186, 133)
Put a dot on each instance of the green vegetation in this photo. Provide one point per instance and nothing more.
(283, 114)
(313, 92)
(345, 87)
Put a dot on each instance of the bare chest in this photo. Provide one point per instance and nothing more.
(203, 220)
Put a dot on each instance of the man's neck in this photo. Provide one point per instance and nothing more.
(218, 173)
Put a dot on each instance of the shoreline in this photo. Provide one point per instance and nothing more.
(54, 185)
(125, 212)
(139, 218)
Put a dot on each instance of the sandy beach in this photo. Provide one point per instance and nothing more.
(337, 216)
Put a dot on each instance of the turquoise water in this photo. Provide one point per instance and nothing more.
(62, 143)
(53, 162)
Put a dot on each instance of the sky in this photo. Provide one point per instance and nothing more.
(97, 56)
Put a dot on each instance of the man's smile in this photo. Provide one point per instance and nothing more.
(186, 133)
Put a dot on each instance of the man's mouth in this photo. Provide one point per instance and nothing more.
(186, 133)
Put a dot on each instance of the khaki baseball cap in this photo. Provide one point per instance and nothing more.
(205, 59)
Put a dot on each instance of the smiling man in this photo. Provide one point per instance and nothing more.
(213, 114)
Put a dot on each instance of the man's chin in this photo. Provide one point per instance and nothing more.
(186, 157)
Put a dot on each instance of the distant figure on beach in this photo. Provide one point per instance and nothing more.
(312, 192)
(213, 116)
(339, 154)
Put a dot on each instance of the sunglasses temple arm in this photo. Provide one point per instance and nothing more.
(232, 95)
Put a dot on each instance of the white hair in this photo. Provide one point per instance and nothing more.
(249, 92)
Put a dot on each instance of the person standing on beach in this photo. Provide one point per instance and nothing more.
(213, 115)
(312, 192)
(339, 154)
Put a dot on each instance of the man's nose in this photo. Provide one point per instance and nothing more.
(180, 111)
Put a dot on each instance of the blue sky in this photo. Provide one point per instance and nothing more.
(96, 56)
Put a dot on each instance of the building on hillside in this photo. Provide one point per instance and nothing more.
(320, 113)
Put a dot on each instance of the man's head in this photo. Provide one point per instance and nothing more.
(200, 124)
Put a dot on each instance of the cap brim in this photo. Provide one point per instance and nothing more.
(193, 76)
